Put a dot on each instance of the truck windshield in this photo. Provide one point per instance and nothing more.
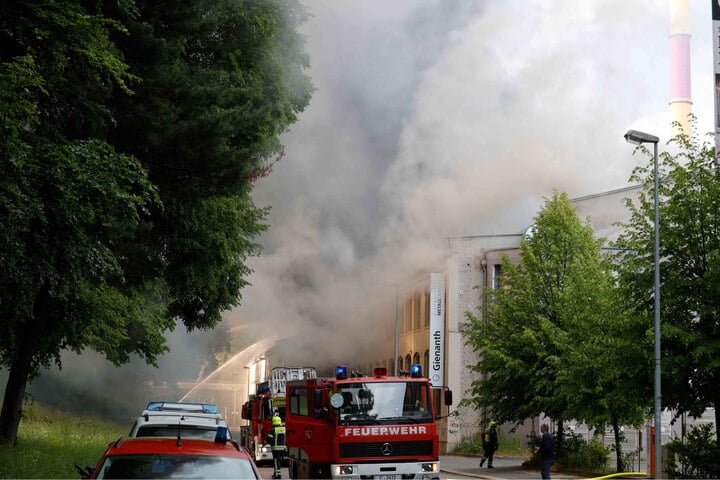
(382, 402)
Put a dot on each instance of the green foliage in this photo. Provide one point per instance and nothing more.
(554, 340)
(584, 455)
(525, 327)
(50, 441)
(689, 211)
(575, 454)
(75, 62)
(697, 457)
(67, 211)
(221, 80)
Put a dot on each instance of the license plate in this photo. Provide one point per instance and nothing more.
(387, 477)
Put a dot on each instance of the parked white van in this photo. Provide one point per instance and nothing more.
(170, 419)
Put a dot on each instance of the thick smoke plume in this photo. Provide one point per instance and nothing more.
(434, 119)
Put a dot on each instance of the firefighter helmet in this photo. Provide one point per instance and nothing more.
(276, 420)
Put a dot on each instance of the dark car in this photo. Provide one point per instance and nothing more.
(168, 457)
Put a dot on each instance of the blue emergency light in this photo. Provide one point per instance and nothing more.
(341, 372)
(416, 370)
(221, 435)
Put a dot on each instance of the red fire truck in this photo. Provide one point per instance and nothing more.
(269, 400)
(363, 427)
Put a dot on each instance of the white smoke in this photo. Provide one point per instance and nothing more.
(436, 118)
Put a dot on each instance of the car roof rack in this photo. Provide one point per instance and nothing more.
(189, 407)
(172, 418)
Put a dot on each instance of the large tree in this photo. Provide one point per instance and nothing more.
(540, 338)
(689, 211)
(132, 135)
(221, 80)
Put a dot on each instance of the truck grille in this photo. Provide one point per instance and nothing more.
(375, 449)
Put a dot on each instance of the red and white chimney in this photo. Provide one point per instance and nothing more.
(680, 95)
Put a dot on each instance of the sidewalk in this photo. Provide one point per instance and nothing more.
(505, 468)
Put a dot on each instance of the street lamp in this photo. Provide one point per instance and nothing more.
(637, 138)
(397, 295)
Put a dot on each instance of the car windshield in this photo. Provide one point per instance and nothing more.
(172, 431)
(175, 466)
(382, 402)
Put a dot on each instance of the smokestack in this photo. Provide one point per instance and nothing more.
(680, 96)
(716, 70)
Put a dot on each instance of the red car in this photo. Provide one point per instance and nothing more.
(168, 457)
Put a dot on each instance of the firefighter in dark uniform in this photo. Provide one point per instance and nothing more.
(490, 445)
(276, 439)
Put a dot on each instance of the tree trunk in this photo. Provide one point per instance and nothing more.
(618, 446)
(21, 367)
(14, 395)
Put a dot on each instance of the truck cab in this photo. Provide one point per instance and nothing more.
(362, 427)
(268, 401)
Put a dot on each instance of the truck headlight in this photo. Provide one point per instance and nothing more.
(429, 467)
(344, 470)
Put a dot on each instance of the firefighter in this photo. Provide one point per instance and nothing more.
(490, 444)
(276, 439)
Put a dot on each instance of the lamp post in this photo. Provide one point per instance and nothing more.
(638, 138)
(397, 295)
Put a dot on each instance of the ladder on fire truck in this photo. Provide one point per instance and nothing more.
(279, 376)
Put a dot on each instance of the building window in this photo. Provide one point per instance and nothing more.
(408, 361)
(407, 316)
(400, 363)
(426, 310)
(416, 358)
(416, 312)
(426, 363)
(497, 277)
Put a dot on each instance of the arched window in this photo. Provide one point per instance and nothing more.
(426, 363)
(416, 358)
(408, 361)
(400, 364)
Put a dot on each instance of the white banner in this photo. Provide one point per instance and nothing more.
(437, 330)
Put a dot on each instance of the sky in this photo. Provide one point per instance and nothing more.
(433, 119)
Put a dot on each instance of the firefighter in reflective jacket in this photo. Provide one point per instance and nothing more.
(276, 439)
(490, 444)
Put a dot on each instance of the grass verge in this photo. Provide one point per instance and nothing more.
(50, 441)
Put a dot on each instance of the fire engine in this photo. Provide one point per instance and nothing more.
(363, 427)
(269, 400)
